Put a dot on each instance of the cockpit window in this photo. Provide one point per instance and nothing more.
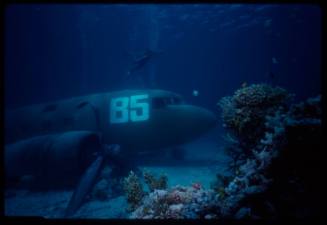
(161, 102)
(158, 103)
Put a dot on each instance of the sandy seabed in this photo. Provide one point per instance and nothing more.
(209, 160)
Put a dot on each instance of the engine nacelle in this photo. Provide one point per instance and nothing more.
(56, 156)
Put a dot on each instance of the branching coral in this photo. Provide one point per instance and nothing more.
(133, 190)
(153, 182)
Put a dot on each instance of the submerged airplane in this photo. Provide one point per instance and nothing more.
(76, 137)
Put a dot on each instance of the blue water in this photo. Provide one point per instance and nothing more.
(58, 51)
(207, 51)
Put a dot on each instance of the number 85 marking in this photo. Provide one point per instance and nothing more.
(123, 109)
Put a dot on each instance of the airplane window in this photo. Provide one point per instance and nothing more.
(158, 103)
(176, 101)
(162, 102)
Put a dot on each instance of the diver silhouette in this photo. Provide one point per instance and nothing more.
(140, 62)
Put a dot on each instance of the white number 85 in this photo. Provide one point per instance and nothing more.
(121, 109)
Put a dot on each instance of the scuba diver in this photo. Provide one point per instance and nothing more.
(139, 62)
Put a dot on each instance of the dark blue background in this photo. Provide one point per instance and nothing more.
(58, 51)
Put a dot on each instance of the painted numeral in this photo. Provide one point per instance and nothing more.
(143, 106)
(123, 109)
(119, 110)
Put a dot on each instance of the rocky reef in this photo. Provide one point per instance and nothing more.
(275, 174)
(275, 165)
(246, 111)
(134, 190)
(153, 182)
(177, 203)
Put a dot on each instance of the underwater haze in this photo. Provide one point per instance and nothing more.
(58, 51)
(147, 111)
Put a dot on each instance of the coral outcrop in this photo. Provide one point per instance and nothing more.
(133, 189)
(264, 171)
(153, 182)
(274, 178)
(177, 203)
(246, 110)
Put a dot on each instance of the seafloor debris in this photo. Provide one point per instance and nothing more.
(270, 179)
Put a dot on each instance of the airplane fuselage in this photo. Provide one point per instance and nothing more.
(137, 120)
(66, 141)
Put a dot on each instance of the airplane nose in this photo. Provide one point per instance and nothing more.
(198, 119)
(209, 119)
(212, 119)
